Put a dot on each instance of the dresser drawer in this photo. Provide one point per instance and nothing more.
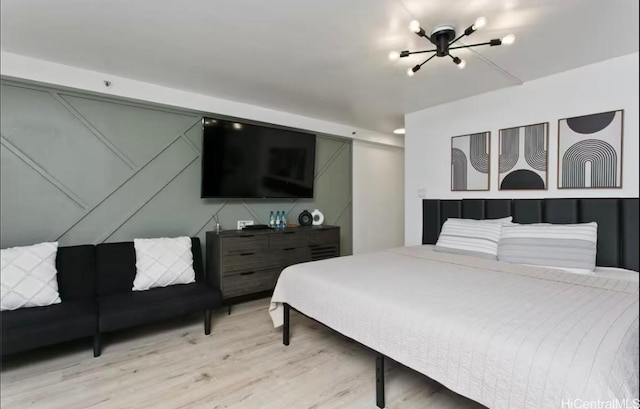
(287, 257)
(287, 240)
(248, 261)
(325, 251)
(249, 282)
(244, 244)
(318, 237)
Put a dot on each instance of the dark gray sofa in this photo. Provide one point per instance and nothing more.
(95, 287)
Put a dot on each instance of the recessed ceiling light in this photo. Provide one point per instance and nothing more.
(399, 131)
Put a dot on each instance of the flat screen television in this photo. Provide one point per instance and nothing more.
(242, 160)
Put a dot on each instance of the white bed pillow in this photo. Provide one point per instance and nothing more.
(560, 246)
(163, 262)
(28, 276)
(471, 237)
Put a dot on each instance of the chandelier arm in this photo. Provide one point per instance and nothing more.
(427, 60)
(430, 40)
(420, 52)
(422, 33)
(470, 45)
(459, 37)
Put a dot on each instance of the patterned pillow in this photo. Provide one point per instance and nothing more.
(163, 262)
(28, 276)
(564, 246)
(471, 237)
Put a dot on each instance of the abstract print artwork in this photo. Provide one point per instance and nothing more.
(523, 157)
(590, 151)
(470, 162)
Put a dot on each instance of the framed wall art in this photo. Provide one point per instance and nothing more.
(470, 165)
(590, 151)
(523, 161)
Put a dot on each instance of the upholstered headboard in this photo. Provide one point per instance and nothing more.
(617, 220)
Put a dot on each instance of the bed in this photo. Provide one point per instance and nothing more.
(505, 335)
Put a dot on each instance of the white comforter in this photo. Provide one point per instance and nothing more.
(504, 335)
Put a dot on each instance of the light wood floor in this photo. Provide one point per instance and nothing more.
(242, 365)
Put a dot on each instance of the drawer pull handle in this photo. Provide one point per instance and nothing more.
(289, 248)
(289, 232)
(246, 254)
(247, 235)
(248, 273)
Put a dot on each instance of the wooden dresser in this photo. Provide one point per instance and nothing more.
(246, 264)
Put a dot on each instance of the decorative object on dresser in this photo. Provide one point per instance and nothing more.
(244, 265)
(470, 162)
(318, 217)
(524, 157)
(590, 151)
(305, 218)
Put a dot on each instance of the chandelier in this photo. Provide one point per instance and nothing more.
(444, 39)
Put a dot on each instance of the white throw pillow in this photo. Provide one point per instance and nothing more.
(28, 276)
(471, 237)
(163, 262)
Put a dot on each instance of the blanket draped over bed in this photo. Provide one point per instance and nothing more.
(505, 335)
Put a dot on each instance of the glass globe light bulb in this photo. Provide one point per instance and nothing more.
(509, 39)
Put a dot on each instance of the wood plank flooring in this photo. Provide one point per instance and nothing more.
(242, 365)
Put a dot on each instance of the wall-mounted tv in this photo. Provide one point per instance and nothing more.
(241, 160)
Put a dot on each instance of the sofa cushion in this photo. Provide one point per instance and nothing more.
(28, 276)
(76, 272)
(28, 328)
(131, 308)
(162, 262)
(115, 267)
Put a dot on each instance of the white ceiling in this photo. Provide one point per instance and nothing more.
(325, 58)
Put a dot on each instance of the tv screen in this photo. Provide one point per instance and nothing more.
(250, 161)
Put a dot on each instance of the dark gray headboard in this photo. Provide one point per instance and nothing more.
(617, 220)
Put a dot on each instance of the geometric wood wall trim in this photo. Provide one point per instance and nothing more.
(80, 168)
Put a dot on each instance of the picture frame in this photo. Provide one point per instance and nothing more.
(523, 157)
(471, 162)
(590, 151)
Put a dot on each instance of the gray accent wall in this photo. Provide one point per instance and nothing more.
(84, 169)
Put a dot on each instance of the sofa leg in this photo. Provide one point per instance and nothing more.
(97, 346)
(207, 322)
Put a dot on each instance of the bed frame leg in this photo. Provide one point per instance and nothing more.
(207, 322)
(285, 328)
(380, 381)
(97, 345)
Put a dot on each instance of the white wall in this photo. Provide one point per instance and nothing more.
(604, 86)
(378, 196)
